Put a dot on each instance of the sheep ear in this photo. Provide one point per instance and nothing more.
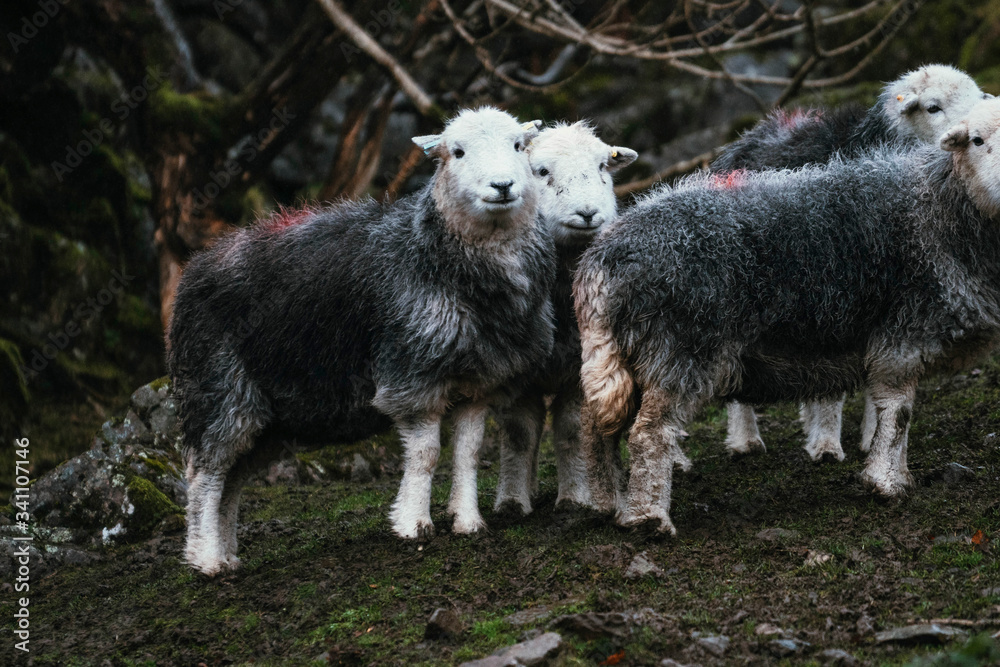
(430, 144)
(956, 139)
(621, 157)
(531, 129)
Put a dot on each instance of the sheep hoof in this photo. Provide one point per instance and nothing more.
(468, 525)
(890, 484)
(656, 518)
(207, 566)
(512, 507)
(746, 447)
(422, 530)
(825, 448)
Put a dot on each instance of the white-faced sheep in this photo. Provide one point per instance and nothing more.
(333, 324)
(577, 198)
(737, 288)
(915, 109)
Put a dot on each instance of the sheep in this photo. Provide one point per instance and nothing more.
(333, 324)
(577, 198)
(735, 288)
(915, 109)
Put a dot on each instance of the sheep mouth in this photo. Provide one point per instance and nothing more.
(500, 202)
(581, 226)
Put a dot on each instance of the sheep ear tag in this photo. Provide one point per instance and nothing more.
(427, 142)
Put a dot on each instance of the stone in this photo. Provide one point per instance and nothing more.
(990, 592)
(443, 623)
(836, 656)
(767, 630)
(642, 566)
(785, 647)
(817, 558)
(956, 474)
(777, 534)
(591, 625)
(921, 633)
(865, 625)
(714, 644)
(537, 651)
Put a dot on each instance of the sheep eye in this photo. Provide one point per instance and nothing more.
(458, 152)
(603, 167)
(517, 145)
(978, 141)
(543, 172)
(933, 109)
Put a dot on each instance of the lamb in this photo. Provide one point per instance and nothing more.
(576, 200)
(336, 323)
(915, 109)
(734, 288)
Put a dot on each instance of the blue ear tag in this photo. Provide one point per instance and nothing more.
(429, 146)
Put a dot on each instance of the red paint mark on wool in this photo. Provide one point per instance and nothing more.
(729, 180)
(797, 117)
(285, 218)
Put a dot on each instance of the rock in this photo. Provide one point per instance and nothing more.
(767, 630)
(956, 474)
(921, 633)
(777, 534)
(817, 558)
(714, 644)
(537, 651)
(785, 647)
(670, 662)
(641, 566)
(591, 625)
(443, 623)
(836, 656)
(990, 592)
(865, 625)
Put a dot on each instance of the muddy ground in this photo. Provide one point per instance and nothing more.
(324, 578)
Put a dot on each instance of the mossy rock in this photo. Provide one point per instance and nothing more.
(149, 507)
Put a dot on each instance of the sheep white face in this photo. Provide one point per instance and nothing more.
(574, 168)
(975, 142)
(483, 177)
(928, 101)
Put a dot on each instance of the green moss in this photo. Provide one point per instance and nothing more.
(190, 112)
(151, 506)
(160, 383)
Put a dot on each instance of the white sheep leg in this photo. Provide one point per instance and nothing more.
(653, 446)
(571, 465)
(204, 550)
(520, 430)
(868, 423)
(463, 503)
(742, 435)
(411, 512)
(822, 423)
(886, 471)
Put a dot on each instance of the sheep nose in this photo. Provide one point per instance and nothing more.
(503, 187)
(587, 214)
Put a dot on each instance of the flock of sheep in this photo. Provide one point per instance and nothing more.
(824, 252)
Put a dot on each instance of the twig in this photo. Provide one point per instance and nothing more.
(673, 170)
(364, 41)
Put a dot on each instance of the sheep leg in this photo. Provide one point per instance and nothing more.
(742, 435)
(886, 471)
(822, 422)
(868, 423)
(600, 488)
(463, 503)
(571, 465)
(229, 506)
(411, 512)
(520, 431)
(204, 549)
(653, 447)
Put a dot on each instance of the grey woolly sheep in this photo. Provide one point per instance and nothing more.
(577, 198)
(737, 287)
(330, 325)
(915, 109)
